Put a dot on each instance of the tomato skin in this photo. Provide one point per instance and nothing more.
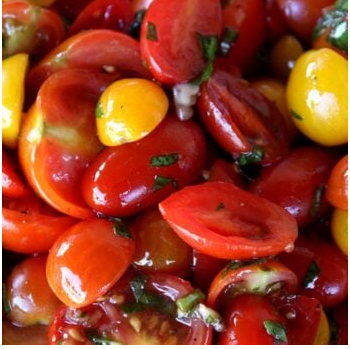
(86, 261)
(337, 189)
(29, 295)
(240, 118)
(224, 221)
(245, 321)
(330, 285)
(135, 188)
(276, 26)
(175, 55)
(339, 229)
(294, 181)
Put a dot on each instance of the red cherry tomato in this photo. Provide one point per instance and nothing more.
(321, 268)
(139, 309)
(246, 320)
(298, 182)
(142, 180)
(337, 189)
(88, 259)
(224, 221)
(108, 14)
(169, 37)
(276, 26)
(241, 119)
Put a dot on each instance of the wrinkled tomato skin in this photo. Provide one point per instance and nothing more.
(240, 118)
(292, 183)
(330, 285)
(121, 180)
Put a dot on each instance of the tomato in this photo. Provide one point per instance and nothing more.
(138, 5)
(119, 118)
(247, 19)
(321, 269)
(170, 157)
(109, 14)
(171, 37)
(158, 248)
(28, 335)
(29, 29)
(107, 50)
(317, 96)
(241, 119)
(30, 226)
(302, 15)
(260, 276)
(276, 26)
(12, 184)
(58, 139)
(337, 188)
(139, 309)
(88, 259)
(224, 221)
(29, 296)
(339, 229)
(298, 182)
(248, 319)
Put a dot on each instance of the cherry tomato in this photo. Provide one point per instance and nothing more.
(321, 269)
(108, 14)
(224, 221)
(249, 318)
(298, 182)
(337, 188)
(171, 36)
(58, 139)
(170, 157)
(241, 119)
(317, 96)
(339, 229)
(276, 26)
(302, 15)
(138, 5)
(158, 248)
(139, 309)
(29, 29)
(29, 296)
(88, 259)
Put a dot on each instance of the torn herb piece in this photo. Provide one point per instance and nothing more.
(120, 229)
(229, 37)
(5, 303)
(254, 157)
(220, 206)
(151, 32)
(296, 115)
(164, 160)
(158, 302)
(188, 302)
(311, 275)
(133, 307)
(135, 26)
(99, 111)
(137, 285)
(317, 201)
(277, 330)
(96, 338)
(161, 181)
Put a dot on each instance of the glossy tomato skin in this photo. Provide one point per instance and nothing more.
(298, 182)
(87, 260)
(171, 47)
(241, 119)
(122, 181)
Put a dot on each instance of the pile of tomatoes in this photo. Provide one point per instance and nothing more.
(175, 171)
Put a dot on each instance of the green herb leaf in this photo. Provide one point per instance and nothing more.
(341, 5)
(99, 111)
(233, 265)
(317, 201)
(133, 307)
(164, 160)
(157, 302)
(220, 206)
(97, 339)
(277, 330)
(5, 303)
(229, 37)
(311, 275)
(120, 229)
(151, 32)
(161, 181)
(188, 302)
(135, 26)
(254, 157)
(137, 285)
(296, 115)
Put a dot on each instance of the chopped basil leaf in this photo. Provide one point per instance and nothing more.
(5, 303)
(161, 181)
(229, 37)
(220, 206)
(236, 264)
(136, 23)
(341, 5)
(311, 275)
(253, 157)
(157, 302)
(129, 308)
(317, 200)
(164, 160)
(151, 32)
(99, 111)
(120, 229)
(137, 285)
(296, 115)
(233, 265)
(188, 302)
(96, 338)
(277, 330)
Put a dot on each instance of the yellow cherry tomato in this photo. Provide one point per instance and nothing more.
(13, 73)
(317, 96)
(323, 333)
(339, 228)
(128, 110)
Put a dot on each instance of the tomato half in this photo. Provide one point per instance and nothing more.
(170, 34)
(170, 157)
(88, 259)
(224, 221)
(139, 309)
